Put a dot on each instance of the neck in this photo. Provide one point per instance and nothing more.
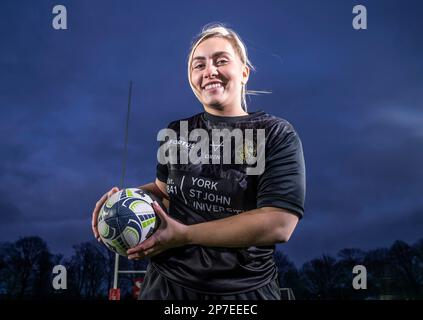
(226, 112)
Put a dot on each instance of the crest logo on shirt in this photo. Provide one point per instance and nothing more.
(246, 152)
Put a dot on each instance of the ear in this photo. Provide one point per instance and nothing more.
(245, 74)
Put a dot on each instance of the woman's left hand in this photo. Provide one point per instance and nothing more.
(170, 234)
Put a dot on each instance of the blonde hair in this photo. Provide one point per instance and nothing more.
(219, 30)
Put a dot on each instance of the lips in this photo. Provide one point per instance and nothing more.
(213, 85)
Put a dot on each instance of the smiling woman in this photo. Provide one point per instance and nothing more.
(219, 53)
(218, 238)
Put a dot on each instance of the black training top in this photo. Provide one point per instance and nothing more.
(202, 192)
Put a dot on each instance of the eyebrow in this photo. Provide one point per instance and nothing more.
(217, 53)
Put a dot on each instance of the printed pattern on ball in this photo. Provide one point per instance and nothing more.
(126, 219)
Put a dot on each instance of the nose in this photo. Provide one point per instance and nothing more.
(210, 70)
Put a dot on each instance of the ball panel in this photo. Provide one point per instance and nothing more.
(139, 206)
(131, 236)
(119, 246)
(104, 230)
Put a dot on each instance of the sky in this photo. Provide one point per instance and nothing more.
(355, 97)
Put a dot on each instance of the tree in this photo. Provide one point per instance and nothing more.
(379, 272)
(288, 274)
(348, 259)
(405, 265)
(26, 268)
(87, 270)
(321, 277)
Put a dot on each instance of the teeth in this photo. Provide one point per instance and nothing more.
(213, 85)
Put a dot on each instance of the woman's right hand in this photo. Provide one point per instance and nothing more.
(97, 208)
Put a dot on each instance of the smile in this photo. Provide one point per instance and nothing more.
(213, 86)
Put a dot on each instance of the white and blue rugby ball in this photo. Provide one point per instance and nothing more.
(126, 219)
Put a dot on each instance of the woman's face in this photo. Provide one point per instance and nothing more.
(217, 74)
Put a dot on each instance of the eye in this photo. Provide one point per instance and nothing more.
(199, 66)
(221, 61)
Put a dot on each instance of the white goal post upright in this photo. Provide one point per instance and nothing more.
(122, 178)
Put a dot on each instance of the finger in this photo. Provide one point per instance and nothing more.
(95, 213)
(97, 208)
(134, 250)
(112, 191)
(95, 232)
(146, 244)
(137, 255)
(159, 211)
(151, 252)
(94, 228)
(145, 254)
(154, 254)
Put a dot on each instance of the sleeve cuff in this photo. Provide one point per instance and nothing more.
(282, 204)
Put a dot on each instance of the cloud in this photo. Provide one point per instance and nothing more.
(324, 234)
(9, 212)
(355, 99)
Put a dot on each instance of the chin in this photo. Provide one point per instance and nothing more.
(214, 103)
(216, 106)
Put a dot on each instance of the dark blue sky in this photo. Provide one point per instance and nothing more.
(355, 98)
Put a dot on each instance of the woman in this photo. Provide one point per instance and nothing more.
(217, 241)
